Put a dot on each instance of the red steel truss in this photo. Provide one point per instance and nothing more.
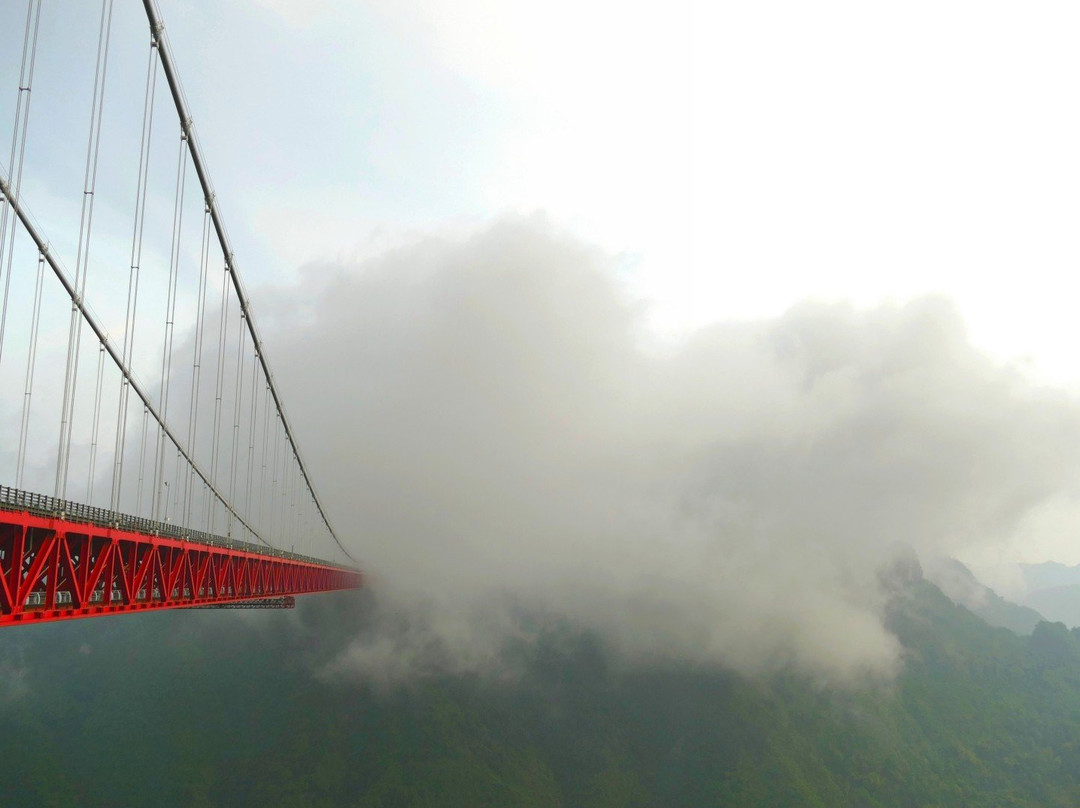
(55, 569)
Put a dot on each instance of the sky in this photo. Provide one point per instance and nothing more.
(679, 320)
(738, 157)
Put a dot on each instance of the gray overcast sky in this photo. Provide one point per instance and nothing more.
(738, 156)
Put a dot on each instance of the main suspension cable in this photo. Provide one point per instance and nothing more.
(157, 31)
(61, 275)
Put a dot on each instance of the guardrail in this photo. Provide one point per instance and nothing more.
(43, 505)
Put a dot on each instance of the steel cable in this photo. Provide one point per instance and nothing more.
(97, 423)
(158, 32)
(238, 396)
(224, 314)
(170, 319)
(31, 364)
(196, 361)
(133, 275)
(82, 260)
(263, 456)
(252, 418)
(18, 145)
(36, 236)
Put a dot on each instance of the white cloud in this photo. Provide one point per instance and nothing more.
(488, 429)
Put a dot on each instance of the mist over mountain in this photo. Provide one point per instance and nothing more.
(215, 709)
(1049, 575)
(1058, 603)
(1054, 590)
(492, 423)
(958, 583)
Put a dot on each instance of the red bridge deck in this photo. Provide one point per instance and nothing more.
(52, 568)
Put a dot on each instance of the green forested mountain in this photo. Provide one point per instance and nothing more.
(958, 582)
(205, 709)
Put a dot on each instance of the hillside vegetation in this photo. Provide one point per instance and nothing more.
(204, 709)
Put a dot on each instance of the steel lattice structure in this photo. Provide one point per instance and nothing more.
(56, 569)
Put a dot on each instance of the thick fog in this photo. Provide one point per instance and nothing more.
(499, 442)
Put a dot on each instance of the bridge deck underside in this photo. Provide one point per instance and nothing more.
(55, 569)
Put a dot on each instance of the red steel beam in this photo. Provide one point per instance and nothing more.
(55, 569)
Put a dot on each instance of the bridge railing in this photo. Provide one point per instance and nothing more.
(43, 505)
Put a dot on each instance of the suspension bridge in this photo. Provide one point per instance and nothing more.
(146, 460)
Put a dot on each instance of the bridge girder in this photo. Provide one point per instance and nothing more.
(55, 569)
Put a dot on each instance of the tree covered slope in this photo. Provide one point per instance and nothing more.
(198, 709)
